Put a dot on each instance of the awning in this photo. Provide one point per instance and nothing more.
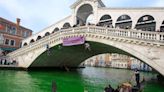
(8, 49)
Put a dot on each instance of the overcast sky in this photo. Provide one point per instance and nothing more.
(38, 14)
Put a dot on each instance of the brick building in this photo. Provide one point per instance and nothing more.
(12, 34)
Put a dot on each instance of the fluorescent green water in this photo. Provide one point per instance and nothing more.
(90, 79)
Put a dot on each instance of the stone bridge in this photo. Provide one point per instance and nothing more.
(143, 45)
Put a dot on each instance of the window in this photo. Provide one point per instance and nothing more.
(8, 28)
(12, 43)
(25, 34)
(7, 41)
(123, 17)
(13, 31)
(145, 18)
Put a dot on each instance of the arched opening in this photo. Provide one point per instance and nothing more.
(162, 27)
(105, 20)
(114, 60)
(83, 13)
(146, 23)
(124, 22)
(90, 20)
(47, 33)
(25, 44)
(66, 25)
(38, 38)
(98, 47)
(55, 30)
(32, 41)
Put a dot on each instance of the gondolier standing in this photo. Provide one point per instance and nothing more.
(137, 78)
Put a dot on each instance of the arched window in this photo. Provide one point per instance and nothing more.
(38, 38)
(32, 40)
(25, 44)
(83, 13)
(55, 30)
(47, 33)
(105, 20)
(162, 27)
(124, 22)
(66, 25)
(146, 23)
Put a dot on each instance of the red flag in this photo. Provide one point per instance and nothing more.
(1, 27)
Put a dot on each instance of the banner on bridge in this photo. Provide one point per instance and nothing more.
(73, 41)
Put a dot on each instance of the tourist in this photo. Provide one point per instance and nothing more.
(59, 47)
(125, 87)
(117, 89)
(5, 62)
(48, 49)
(108, 89)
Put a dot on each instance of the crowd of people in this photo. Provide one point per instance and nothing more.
(125, 87)
(4, 61)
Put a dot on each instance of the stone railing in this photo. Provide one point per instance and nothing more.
(121, 33)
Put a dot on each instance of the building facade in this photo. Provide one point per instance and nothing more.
(117, 61)
(12, 34)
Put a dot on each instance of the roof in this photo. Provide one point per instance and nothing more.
(79, 1)
(12, 23)
(132, 8)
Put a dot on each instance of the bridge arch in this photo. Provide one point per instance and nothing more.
(124, 22)
(83, 13)
(32, 40)
(38, 38)
(99, 45)
(66, 25)
(47, 34)
(25, 44)
(146, 23)
(162, 27)
(105, 20)
(55, 30)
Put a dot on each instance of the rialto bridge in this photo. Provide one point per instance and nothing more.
(137, 32)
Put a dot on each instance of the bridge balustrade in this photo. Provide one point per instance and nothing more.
(161, 37)
(128, 33)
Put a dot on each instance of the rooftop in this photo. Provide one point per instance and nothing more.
(12, 23)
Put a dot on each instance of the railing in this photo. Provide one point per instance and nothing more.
(129, 33)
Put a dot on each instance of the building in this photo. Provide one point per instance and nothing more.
(117, 61)
(135, 63)
(12, 34)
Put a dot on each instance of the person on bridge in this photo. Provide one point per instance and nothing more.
(48, 49)
(87, 46)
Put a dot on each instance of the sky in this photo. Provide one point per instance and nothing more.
(39, 14)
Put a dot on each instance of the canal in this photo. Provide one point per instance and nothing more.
(90, 79)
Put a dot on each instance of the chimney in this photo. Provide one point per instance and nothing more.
(18, 22)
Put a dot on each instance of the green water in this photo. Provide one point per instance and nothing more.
(90, 79)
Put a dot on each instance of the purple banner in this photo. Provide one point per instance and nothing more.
(73, 41)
